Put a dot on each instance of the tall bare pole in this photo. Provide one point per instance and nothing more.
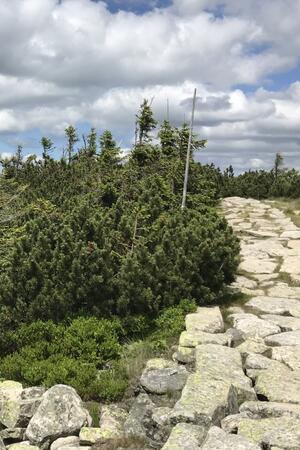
(188, 153)
(168, 110)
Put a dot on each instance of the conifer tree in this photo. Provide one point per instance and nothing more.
(110, 152)
(145, 123)
(168, 139)
(183, 140)
(47, 145)
(72, 138)
(92, 142)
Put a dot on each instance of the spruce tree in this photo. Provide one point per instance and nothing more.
(110, 152)
(145, 123)
(72, 138)
(47, 145)
(92, 142)
(168, 139)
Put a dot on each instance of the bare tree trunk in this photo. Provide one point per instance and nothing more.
(188, 153)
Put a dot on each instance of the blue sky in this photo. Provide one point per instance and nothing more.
(136, 6)
(91, 63)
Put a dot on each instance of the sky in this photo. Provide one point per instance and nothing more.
(91, 63)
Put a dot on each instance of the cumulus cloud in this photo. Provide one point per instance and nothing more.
(74, 61)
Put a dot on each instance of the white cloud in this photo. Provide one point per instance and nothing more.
(74, 62)
(257, 163)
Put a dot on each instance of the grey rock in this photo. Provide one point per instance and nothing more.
(112, 418)
(161, 376)
(139, 414)
(31, 393)
(284, 339)
(264, 410)
(22, 446)
(252, 326)
(285, 291)
(28, 408)
(75, 447)
(280, 385)
(258, 266)
(254, 345)
(235, 337)
(90, 435)
(60, 413)
(217, 439)
(230, 424)
(10, 397)
(186, 436)
(185, 355)
(205, 401)
(2, 446)
(282, 432)
(12, 434)
(65, 442)
(224, 363)
(192, 339)
(161, 416)
(254, 361)
(208, 320)
(284, 322)
(275, 305)
(289, 355)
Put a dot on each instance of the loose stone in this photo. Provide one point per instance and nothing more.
(275, 305)
(285, 323)
(185, 436)
(208, 320)
(217, 439)
(252, 326)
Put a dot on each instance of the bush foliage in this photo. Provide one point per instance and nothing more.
(95, 251)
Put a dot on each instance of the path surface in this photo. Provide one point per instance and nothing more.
(244, 389)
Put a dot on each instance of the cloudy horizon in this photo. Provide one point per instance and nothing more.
(91, 63)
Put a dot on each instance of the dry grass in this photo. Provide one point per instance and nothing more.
(291, 207)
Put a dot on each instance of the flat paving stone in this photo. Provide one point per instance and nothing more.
(263, 410)
(293, 234)
(289, 355)
(284, 290)
(291, 265)
(217, 362)
(185, 436)
(284, 339)
(209, 320)
(275, 305)
(252, 326)
(217, 439)
(192, 339)
(283, 432)
(280, 385)
(284, 322)
(254, 265)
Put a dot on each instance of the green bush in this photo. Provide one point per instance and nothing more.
(171, 321)
(46, 353)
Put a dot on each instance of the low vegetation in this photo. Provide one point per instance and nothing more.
(96, 257)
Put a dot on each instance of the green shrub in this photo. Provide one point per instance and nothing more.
(93, 340)
(171, 321)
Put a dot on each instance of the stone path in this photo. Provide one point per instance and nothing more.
(243, 387)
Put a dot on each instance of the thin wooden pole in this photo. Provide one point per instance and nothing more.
(168, 110)
(188, 153)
